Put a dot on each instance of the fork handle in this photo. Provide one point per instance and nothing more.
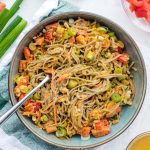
(12, 110)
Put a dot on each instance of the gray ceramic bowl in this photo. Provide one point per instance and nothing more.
(128, 114)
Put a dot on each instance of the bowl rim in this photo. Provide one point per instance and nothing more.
(76, 13)
(137, 137)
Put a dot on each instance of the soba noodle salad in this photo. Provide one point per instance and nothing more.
(90, 79)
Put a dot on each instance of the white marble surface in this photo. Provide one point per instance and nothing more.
(111, 9)
(28, 7)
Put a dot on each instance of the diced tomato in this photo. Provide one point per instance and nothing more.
(101, 128)
(33, 107)
(61, 78)
(52, 26)
(82, 32)
(49, 127)
(48, 36)
(72, 40)
(81, 39)
(104, 131)
(27, 53)
(29, 107)
(120, 50)
(113, 108)
(17, 91)
(124, 58)
(24, 80)
(39, 40)
(21, 96)
(85, 131)
(49, 70)
(26, 102)
(100, 123)
(22, 64)
(118, 110)
(36, 106)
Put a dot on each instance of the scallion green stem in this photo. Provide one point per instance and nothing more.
(11, 37)
(11, 12)
(13, 24)
(3, 13)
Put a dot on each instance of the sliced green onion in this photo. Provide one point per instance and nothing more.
(44, 118)
(61, 132)
(24, 89)
(103, 29)
(116, 97)
(115, 38)
(71, 31)
(118, 70)
(13, 24)
(3, 13)
(108, 86)
(32, 46)
(124, 69)
(72, 84)
(66, 35)
(36, 96)
(111, 34)
(17, 80)
(59, 29)
(11, 12)
(64, 124)
(76, 50)
(34, 118)
(90, 56)
(11, 37)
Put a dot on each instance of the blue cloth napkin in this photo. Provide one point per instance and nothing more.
(13, 126)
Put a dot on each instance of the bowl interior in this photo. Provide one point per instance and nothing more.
(128, 114)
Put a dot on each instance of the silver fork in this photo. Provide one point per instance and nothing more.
(12, 110)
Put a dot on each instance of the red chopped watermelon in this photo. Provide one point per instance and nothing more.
(132, 7)
(148, 16)
(141, 13)
(137, 3)
(141, 8)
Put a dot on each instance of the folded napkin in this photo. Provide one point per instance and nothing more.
(13, 126)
